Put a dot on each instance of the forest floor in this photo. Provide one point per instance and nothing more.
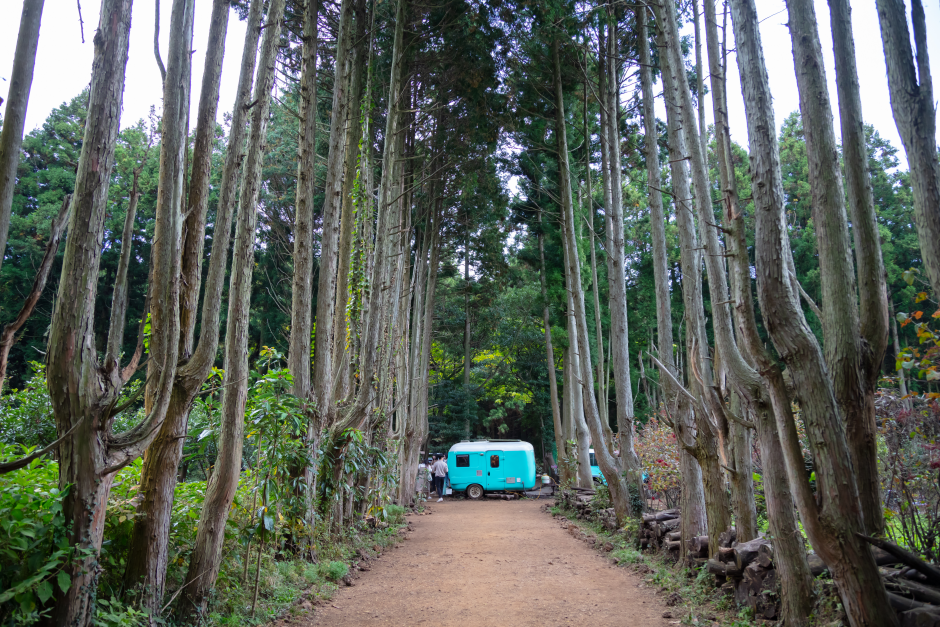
(476, 563)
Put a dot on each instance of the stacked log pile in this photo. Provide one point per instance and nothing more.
(746, 570)
(581, 501)
(657, 527)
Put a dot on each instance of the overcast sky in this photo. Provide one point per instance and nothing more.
(63, 63)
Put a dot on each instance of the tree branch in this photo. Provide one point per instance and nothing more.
(56, 229)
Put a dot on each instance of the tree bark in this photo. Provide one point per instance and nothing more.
(329, 241)
(194, 227)
(14, 116)
(148, 549)
(619, 494)
(912, 101)
(861, 430)
(56, 229)
(832, 522)
(842, 347)
(359, 53)
(693, 499)
(207, 553)
(616, 263)
(550, 357)
(301, 316)
(83, 392)
(704, 445)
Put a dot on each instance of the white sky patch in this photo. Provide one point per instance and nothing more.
(63, 62)
(869, 54)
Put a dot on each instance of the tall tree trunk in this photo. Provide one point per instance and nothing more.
(790, 556)
(619, 494)
(738, 440)
(148, 550)
(595, 286)
(657, 223)
(332, 209)
(550, 357)
(574, 392)
(83, 391)
(902, 383)
(713, 501)
(912, 101)
(382, 277)
(616, 263)
(207, 554)
(14, 116)
(359, 53)
(301, 318)
(830, 523)
(842, 347)
(466, 329)
(861, 430)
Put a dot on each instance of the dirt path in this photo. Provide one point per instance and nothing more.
(491, 563)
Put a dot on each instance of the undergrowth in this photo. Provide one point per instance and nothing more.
(34, 549)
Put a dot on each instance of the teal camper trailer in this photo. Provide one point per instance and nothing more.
(596, 473)
(485, 466)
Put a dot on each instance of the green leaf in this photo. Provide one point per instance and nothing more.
(64, 580)
(44, 591)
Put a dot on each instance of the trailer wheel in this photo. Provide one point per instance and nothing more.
(475, 492)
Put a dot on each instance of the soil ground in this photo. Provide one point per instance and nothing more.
(476, 563)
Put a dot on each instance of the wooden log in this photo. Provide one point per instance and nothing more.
(699, 546)
(741, 592)
(746, 552)
(726, 554)
(921, 617)
(673, 535)
(901, 604)
(917, 590)
(732, 571)
(672, 546)
(910, 573)
(669, 514)
(671, 525)
(765, 555)
(715, 567)
(727, 538)
(818, 567)
(905, 557)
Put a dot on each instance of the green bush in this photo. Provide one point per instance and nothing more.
(396, 513)
(33, 540)
(333, 571)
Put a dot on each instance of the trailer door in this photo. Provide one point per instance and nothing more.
(495, 462)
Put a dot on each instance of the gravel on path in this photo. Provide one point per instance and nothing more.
(483, 563)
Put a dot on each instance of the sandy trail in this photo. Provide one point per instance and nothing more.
(491, 563)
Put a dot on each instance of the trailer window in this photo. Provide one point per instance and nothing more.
(463, 461)
(494, 461)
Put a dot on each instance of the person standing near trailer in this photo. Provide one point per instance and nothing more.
(440, 475)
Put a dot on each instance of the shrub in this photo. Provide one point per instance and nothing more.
(333, 571)
(33, 540)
